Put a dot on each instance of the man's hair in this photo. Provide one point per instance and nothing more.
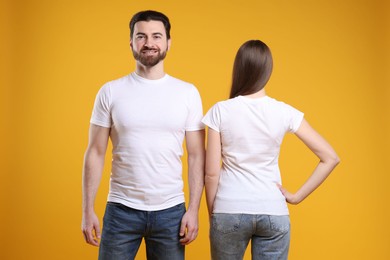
(252, 68)
(147, 16)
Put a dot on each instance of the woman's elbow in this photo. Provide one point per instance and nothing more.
(334, 160)
(330, 158)
(211, 174)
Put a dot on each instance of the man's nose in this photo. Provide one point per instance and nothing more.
(148, 42)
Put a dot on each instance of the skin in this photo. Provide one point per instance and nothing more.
(92, 173)
(151, 36)
(314, 141)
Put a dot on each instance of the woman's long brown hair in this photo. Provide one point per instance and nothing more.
(252, 68)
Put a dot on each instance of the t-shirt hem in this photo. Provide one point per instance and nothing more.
(146, 207)
(191, 129)
(207, 123)
(298, 122)
(250, 212)
(271, 206)
(100, 123)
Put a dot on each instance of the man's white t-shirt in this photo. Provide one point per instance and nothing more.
(251, 132)
(148, 121)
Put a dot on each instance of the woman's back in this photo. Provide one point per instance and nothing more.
(252, 130)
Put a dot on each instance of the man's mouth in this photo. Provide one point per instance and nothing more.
(149, 52)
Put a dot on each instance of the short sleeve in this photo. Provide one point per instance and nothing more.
(294, 119)
(213, 118)
(101, 114)
(195, 112)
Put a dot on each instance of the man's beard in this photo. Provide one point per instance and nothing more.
(149, 60)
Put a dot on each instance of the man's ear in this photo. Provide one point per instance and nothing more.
(169, 44)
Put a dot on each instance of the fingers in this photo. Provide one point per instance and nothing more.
(98, 233)
(285, 193)
(290, 197)
(283, 190)
(90, 239)
(189, 236)
(91, 228)
(183, 228)
(188, 232)
(92, 235)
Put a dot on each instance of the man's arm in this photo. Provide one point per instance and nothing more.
(196, 154)
(92, 173)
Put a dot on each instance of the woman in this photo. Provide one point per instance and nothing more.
(245, 198)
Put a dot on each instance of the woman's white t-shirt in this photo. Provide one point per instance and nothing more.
(251, 133)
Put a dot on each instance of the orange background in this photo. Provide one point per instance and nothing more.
(331, 60)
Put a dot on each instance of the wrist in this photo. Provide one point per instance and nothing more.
(88, 210)
(297, 198)
(193, 210)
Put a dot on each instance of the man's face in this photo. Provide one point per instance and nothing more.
(149, 42)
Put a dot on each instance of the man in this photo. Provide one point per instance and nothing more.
(146, 114)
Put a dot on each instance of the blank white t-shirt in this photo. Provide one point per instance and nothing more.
(148, 121)
(251, 132)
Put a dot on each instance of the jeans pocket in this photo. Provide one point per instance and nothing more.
(279, 223)
(226, 223)
(173, 213)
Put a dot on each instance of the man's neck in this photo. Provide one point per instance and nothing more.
(155, 72)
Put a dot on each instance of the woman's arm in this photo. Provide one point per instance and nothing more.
(328, 161)
(213, 167)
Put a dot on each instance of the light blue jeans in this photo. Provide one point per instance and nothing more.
(231, 233)
(124, 228)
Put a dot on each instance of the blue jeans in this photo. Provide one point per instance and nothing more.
(124, 228)
(231, 233)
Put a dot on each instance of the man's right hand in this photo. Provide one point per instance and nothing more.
(91, 228)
